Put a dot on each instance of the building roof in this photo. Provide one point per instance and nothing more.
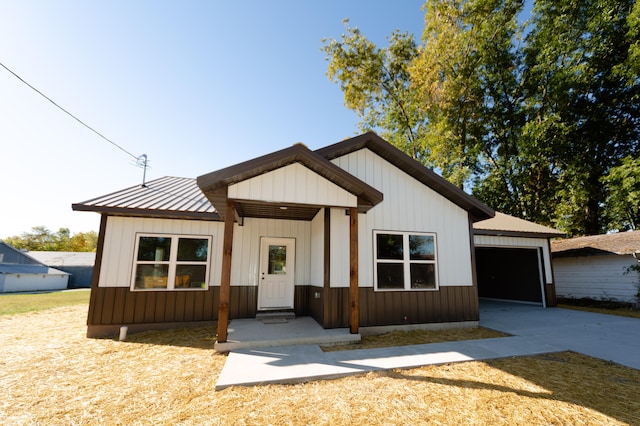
(410, 166)
(621, 243)
(29, 269)
(505, 225)
(176, 197)
(64, 258)
(169, 197)
(214, 184)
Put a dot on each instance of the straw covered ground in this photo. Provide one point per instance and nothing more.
(52, 374)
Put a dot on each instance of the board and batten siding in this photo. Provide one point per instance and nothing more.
(294, 184)
(118, 254)
(519, 242)
(408, 206)
(596, 277)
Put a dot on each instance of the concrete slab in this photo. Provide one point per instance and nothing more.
(535, 330)
(252, 333)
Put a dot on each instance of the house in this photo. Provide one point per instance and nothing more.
(20, 272)
(79, 265)
(597, 267)
(356, 234)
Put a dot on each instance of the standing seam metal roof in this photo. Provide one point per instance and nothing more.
(172, 195)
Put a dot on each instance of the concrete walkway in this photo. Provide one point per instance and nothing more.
(534, 330)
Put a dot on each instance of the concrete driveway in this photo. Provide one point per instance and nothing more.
(609, 337)
(534, 330)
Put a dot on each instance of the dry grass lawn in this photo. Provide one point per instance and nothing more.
(53, 375)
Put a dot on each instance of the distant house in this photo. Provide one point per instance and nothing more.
(596, 267)
(355, 234)
(20, 272)
(78, 264)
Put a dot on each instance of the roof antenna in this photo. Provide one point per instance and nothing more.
(143, 162)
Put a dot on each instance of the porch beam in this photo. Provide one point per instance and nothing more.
(354, 304)
(225, 279)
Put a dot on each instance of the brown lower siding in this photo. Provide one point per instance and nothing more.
(112, 307)
(449, 304)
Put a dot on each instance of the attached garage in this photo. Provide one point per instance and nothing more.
(510, 273)
(513, 260)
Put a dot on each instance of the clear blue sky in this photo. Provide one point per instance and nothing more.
(195, 85)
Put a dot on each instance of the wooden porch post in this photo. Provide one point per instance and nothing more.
(354, 304)
(225, 280)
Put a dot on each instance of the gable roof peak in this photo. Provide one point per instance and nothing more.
(412, 167)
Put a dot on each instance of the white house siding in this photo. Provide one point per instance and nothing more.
(120, 239)
(118, 254)
(246, 249)
(408, 205)
(10, 283)
(519, 242)
(595, 277)
(292, 184)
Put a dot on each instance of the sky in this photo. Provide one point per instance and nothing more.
(194, 85)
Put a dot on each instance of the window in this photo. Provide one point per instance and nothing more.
(405, 261)
(171, 262)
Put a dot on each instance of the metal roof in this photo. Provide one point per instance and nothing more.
(505, 225)
(173, 197)
(64, 258)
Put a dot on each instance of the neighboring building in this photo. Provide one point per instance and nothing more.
(356, 234)
(20, 272)
(78, 264)
(597, 267)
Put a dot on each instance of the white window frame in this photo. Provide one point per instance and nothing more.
(406, 261)
(172, 262)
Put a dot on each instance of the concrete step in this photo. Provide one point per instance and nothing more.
(274, 316)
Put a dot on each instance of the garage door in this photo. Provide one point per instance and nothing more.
(509, 273)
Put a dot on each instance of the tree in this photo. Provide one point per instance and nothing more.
(532, 128)
(42, 239)
(376, 85)
(581, 98)
(622, 185)
(465, 76)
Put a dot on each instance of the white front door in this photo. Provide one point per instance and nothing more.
(277, 269)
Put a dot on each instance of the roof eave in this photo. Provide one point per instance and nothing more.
(149, 213)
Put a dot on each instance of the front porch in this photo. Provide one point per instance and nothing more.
(255, 333)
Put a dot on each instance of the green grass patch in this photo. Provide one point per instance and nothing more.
(11, 304)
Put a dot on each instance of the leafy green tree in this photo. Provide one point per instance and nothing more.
(531, 123)
(581, 98)
(466, 77)
(376, 85)
(42, 239)
(623, 195)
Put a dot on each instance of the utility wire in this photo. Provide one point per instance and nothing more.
(71, 115)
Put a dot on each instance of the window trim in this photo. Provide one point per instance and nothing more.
(406, 261)
(172, 263)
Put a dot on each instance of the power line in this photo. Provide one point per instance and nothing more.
(71, 115)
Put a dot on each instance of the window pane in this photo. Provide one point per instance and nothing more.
(191, 276)
(390, 275)
(423, 275)
(277, 260)
(421, 247)
(154, 249)
(193, 249)
(151, 276)
(389, 246)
